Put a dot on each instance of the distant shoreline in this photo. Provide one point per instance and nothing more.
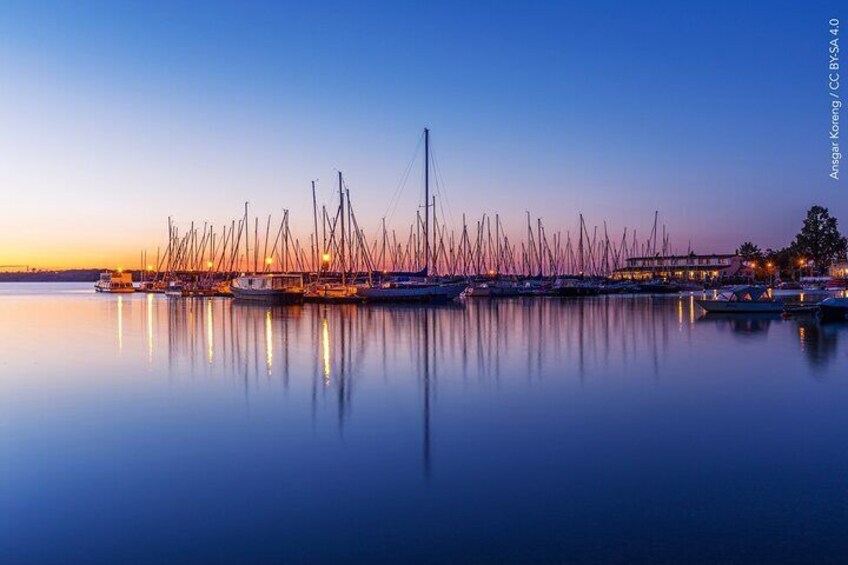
(69, 275)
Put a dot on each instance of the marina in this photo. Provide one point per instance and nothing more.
(421, 283)
(339, 266)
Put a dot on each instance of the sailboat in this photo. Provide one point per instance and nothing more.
(422, 290)
(329, 288)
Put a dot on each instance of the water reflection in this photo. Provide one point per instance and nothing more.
(611, 416)
(536, 338)
(480, 342)
(819, 342)
(742, 324)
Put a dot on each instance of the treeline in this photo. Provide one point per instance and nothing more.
(815, 248)
(71, 275)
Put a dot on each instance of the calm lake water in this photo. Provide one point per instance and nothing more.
(607, 430)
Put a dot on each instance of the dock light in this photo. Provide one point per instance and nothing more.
(769, 265)
(268, 260)
(801, 263)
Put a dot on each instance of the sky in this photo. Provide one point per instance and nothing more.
(116, 115)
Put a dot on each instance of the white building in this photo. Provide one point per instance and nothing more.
(684, 267)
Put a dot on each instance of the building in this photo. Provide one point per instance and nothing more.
(684, 267)
(839, 270)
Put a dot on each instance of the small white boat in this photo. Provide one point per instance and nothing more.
(273, 288)
(331, 292)
(741, 300)
(114, 282)
(834, 309)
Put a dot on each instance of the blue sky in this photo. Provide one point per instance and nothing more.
(116, 115)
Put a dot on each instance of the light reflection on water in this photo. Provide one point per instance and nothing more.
(619, 429)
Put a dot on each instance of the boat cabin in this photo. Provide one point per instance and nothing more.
(744, 293)
(271, 282)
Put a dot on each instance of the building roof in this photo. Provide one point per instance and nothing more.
(690, 256)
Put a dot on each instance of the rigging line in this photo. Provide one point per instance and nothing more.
(395, 199)
(441, 187)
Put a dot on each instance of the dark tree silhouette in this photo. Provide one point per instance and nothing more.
(820, 239)
(750, 252)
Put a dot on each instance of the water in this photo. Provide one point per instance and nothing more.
(611, 430)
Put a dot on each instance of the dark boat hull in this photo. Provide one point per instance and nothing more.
(833, 313)
(659, 289)
(569, 291)
(267, 296)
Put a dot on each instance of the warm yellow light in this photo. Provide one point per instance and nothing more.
(150, 267)
(268, 260)
(120, 269)
(325, 257)
(801, 262)
(769, 265)
(209, 264)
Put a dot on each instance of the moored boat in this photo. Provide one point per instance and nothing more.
(411, 291)
(576, 287)
(493, 289)
(834, 309)
(741, 300)
(114, 282)
(332, 293)
(271, 288)
(659, 287)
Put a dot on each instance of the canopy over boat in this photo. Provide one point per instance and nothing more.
(743, 293)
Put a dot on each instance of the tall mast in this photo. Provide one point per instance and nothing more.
(341, 217)
(426, 200)
(246, 240)
(316, 257)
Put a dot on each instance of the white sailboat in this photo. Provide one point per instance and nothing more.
(423, 290)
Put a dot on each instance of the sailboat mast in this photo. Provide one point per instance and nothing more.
(315, 257)
(342, 218)
(426, 200)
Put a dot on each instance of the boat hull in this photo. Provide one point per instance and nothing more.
(267, 296)
(834, 310)
(422, 293)
(113, 290)
(659, 288)
(574, 291)
(740, 307)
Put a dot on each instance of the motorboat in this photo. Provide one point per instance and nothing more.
(743, 299)
(114, 282)
(270, 288)
(834, 309)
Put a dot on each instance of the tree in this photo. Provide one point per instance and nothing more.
(750, 252)
(819, 239)
(781, 261)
